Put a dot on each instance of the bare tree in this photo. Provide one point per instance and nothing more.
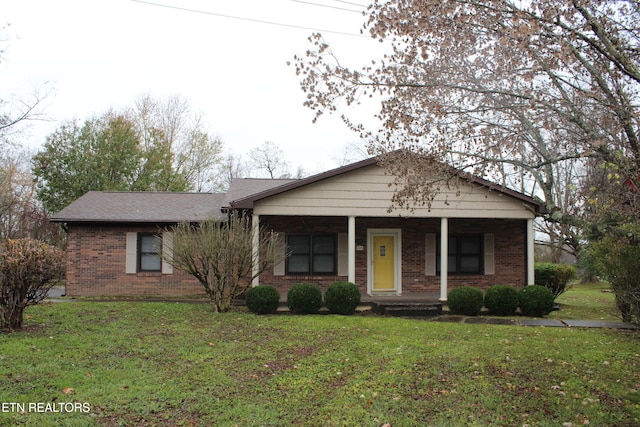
(172, 122)
(21, 214)
(221, 256)
(269, 159)
(351, 153)
(15, 111)
(231, 167)
(523, 87)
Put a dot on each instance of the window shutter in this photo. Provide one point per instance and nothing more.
(167, 252)
(430, 254)
(489, 254)
(343, 254)
(131, 261)
(278, 269)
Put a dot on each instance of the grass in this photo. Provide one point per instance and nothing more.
(587, 301)
(178, 364)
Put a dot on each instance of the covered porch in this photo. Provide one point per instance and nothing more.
(411, 249)
(476, 234)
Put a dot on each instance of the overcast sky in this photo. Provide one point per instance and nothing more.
(228, 58)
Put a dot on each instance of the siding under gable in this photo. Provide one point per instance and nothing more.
(368, 192)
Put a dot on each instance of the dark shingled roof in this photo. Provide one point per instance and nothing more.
(155, 207)
(160, 207)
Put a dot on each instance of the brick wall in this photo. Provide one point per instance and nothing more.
(96, 266)
(299, 224)
(509, 246)
(96, 256)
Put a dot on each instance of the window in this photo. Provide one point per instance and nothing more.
(465, 255)
(149, 252)
(311, 254)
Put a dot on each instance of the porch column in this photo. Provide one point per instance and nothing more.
(444, 257)
(530, 253)
(255, 256)
(351, 258)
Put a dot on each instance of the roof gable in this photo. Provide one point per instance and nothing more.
(247, 202)
(368, 182)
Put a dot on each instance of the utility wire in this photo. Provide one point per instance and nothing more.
(327, 6)
(241, 18)
(351, 3)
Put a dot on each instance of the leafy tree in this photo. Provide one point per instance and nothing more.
(107, 154)
(221, 256)
(28, 269)
(542, 93)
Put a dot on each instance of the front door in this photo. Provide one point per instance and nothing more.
(383, 264)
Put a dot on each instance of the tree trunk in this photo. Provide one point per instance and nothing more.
(12, 312)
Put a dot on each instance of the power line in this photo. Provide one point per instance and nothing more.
(241, 18)
(351, 3)
(327, 6)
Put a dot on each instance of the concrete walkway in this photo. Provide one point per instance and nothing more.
(553, 323)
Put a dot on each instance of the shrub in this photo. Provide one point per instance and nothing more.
(554, 276)
(28, 269)
(304, 298)
(342, 297)
(501, 300)
(618, 260)
(263, 299)
(535, 300)
(465, 300)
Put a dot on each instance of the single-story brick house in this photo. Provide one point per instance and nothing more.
(336, 225)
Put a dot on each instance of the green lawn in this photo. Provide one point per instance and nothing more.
(587, 301)
(178, 364)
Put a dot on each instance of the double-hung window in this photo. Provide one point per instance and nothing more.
(465, 255)
(311, 254)
(149, 252)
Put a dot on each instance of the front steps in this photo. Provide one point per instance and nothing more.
(407, 309)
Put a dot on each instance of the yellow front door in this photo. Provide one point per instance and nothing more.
(383, 264)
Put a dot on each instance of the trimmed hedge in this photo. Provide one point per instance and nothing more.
(536, 300)
(342, 297)
(465, 300)
(554, 276)
(304, 298)
(501, 300)
(263, 299)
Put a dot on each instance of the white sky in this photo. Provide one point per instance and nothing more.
(101, 54)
